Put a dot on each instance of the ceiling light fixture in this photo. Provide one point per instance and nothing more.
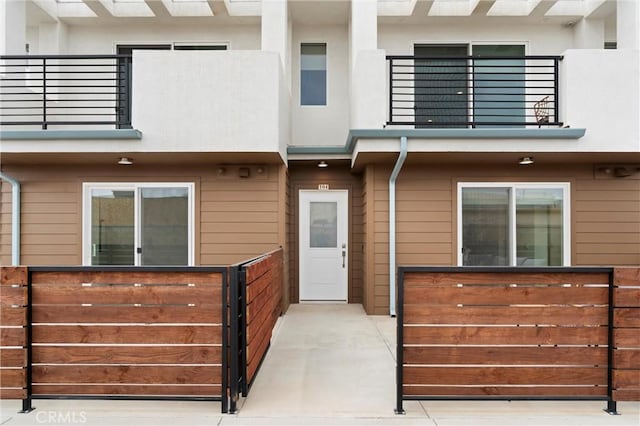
(125, 161)
(323, 164)
(526, 161)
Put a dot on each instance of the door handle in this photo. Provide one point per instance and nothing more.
(344, 255)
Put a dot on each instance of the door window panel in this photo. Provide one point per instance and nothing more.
(539, 227)
(164, 226)
(485, 226)
(112, 227)
(323, 230)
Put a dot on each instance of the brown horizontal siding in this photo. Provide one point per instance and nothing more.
(605, 216)
(235, 218)
(238, 217)
(338, 177)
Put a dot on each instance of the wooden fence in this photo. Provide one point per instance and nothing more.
(626, 335)
(13, 333)
(115, 332)
(257, 284)
(516, 333)
(263, 280)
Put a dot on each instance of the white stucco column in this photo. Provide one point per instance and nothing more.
(13, 27)
(589, 34)
(628, 24)
(52, 39)
(367, 67)
(276, 31)
(363, 28)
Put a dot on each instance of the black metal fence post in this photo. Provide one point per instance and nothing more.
(44, 94)
(233, 337)
(399, 342)
(27, 405)
(242, 281)
(556, 90)
(224, 400)
(611, 404)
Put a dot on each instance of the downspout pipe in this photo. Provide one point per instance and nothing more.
(15, 218)
(392, 224)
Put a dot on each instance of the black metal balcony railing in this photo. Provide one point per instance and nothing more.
(65, 90)
(450, 92)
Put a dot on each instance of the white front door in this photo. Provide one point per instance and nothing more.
(324, 222)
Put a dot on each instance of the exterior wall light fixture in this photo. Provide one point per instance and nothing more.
(125, 161)
(323, 164)
(526, 161)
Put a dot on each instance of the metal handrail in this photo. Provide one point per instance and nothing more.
(65, 90)
(473, 91)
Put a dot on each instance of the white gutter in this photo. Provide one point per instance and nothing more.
(392, 225)
(15, 218)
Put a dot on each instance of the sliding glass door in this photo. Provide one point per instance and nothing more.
(499, 86)
(138, 224)
(441, 88)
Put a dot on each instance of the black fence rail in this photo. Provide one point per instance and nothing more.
(461, 92)
(65, 90)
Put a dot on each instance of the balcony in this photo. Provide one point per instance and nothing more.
(462, 92)
(55, 91)
(176, 101)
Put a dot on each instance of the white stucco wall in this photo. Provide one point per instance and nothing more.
(322, 125)
(103, 39)
(208, 101)
(539, 39)
(600, 93)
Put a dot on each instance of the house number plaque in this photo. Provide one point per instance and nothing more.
(323, 187)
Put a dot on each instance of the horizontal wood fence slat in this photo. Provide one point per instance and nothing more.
(6, 393)
(12, 378)
(131, 390)
(87, 354)
(13, 357)
(521, 278)
(505, 375)
(518, 391)
(506, 315)
(506, 355)
(511, 335)
(12, 336)
(471, 295)
(147, 294)
(131, 314)
(126, 374)
(130, 276)
(129, 334)
(13, 296)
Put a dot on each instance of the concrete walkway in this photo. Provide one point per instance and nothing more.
(328, 365)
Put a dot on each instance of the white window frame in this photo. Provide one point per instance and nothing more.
(136, 187)
(513, 186)
(326, 86)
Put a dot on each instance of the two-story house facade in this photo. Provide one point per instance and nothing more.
(359, 135)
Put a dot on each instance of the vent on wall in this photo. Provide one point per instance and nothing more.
(617, 171)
